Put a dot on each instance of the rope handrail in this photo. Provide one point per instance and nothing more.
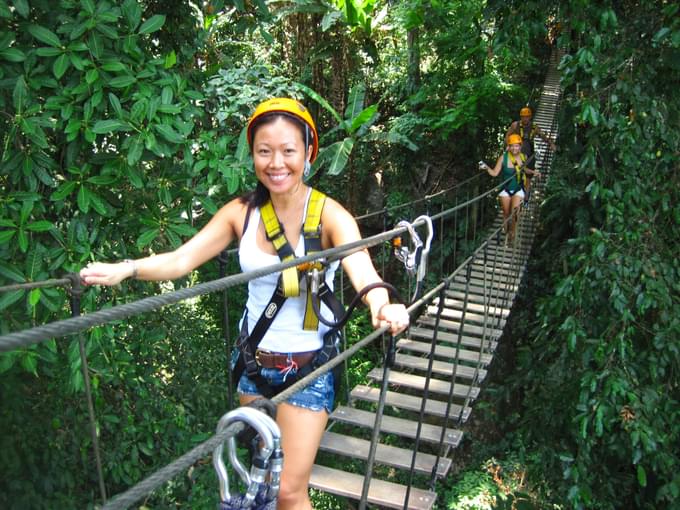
(73, 325)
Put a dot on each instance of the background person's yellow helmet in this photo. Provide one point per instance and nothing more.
(292, 107)
(525, 112)
(514, 138)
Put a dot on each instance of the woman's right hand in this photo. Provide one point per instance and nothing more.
(101, 273)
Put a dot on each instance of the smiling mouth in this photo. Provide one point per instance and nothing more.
(278, 177)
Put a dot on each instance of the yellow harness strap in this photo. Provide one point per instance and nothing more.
(312, 233)
(519, 172)
(290, 284)
(311, 230)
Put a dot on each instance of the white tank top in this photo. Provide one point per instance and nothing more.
(285, 334)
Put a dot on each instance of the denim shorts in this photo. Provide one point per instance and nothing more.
(316, 396)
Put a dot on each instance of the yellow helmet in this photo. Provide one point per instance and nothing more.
(514, 138)
(525, 112)
(292, 107)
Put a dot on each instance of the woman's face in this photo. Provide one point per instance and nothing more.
(515, 148)
(279, 155)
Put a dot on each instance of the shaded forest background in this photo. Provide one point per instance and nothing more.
(121, 127)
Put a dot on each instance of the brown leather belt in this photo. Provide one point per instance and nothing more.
(267, 359)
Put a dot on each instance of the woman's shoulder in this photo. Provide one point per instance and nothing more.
(234, 213)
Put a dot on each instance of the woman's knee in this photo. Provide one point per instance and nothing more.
(293, 494)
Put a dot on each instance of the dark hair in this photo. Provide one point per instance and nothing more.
(259, 196)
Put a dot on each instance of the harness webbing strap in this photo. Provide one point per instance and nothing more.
(519, 169)
(311, 230)
(532, 131)
(290, 284)
(312, 234)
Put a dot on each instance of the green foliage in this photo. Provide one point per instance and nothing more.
(356, 124)
(601, 375)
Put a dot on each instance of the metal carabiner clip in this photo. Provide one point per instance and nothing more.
(243, 414)
(425, 251)
(410, 258)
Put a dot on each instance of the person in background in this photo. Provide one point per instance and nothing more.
(528, 131)
(512, 167)
(284, 142)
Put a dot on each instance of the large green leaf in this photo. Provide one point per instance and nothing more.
(61, 64)
(40, 226)
(168, 133)
(11, 273)
(147, 237)
(109, 126)
(22, 7)
(338, 155)
(19, 94)
(44, 35)
(63, 191)
(367, 116)
(121, 82)
(13, 55)
(115, 103)
(152, 24)
(83, 199)
(355, 102)
(135, 150)
(9, 298)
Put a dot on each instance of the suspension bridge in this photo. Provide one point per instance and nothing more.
(399, 432)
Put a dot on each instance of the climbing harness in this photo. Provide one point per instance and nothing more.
(527, 135)
(519, 168)
(311, 231)
(415, 259)
(289, 286)
(264, 478)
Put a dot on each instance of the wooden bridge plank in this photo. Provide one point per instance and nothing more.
(388, 455)
(439, 367)
(411, 403)
(445, 352)
(422, 331)
(398, 426)
(471, 317)
(459, 296)
(448, 332)
(477, 308)
(380, 492)
(417, 382)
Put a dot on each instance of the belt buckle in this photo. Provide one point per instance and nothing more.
(257, 355)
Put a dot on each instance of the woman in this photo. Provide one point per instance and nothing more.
(511, 166)
(284, 142)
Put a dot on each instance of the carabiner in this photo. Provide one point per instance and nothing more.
(276, 458)
(410, 258)
(244, 414)
(425, 251)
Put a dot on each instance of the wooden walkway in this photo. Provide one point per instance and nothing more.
(471, 325)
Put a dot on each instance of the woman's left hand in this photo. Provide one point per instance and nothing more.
(394, 316)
